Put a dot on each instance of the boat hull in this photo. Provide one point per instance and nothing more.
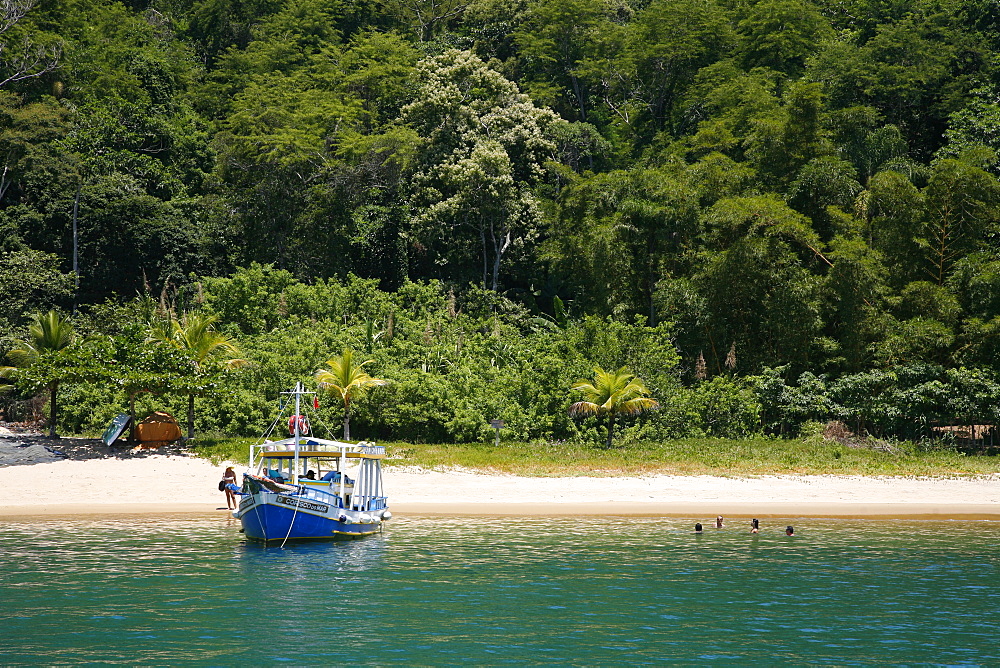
(275, 518)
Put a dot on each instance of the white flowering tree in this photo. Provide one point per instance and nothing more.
(483, 148)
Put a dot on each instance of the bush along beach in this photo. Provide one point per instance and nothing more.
(447, 365)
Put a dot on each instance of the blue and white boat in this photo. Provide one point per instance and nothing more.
(305, 488)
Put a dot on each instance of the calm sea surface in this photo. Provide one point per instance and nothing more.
(493, 591)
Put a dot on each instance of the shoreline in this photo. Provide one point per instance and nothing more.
(860, 511)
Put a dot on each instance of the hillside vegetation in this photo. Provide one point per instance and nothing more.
(776, 213)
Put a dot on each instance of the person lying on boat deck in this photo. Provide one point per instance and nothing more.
(334, 476)
(310, 475)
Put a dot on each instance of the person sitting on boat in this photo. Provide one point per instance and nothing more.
(334, 476)
(310, 475)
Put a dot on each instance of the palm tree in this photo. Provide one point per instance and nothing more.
(48, 333)
(194, 334)
(348, 380)
(612, 393)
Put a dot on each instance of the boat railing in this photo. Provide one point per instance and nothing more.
(358, 501)
(369, 503)
(367, 448)
(324, 495)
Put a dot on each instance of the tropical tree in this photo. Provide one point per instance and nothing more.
(781, 34)
(29, 278)
(194, 334)
(961, 215)
(30, 59)
(49, 333)
(555, 40)
(348, 380)
(426, 18)
(482, 151)
(669, 41)
(612, 393)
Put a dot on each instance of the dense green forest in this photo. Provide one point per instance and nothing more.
(774, 212)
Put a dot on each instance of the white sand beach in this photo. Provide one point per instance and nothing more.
(144, 482)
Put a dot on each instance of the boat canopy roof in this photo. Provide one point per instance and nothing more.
(320, 448)
(313, 440)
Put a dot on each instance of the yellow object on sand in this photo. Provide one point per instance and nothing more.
(158, 429)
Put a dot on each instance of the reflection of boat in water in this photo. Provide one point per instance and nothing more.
(345, 500)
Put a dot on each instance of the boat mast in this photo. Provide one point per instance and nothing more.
(342, 465)
(295, 467)
(298, 392)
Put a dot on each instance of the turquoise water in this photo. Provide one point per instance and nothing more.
(493, 591)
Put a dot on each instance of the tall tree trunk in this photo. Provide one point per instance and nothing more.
(578, 94)
(190, 416)
(651, 292)
(499, 248)
(486, 259)
(53, 389)
(347, 421)
(611, 429)
(131, 415)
